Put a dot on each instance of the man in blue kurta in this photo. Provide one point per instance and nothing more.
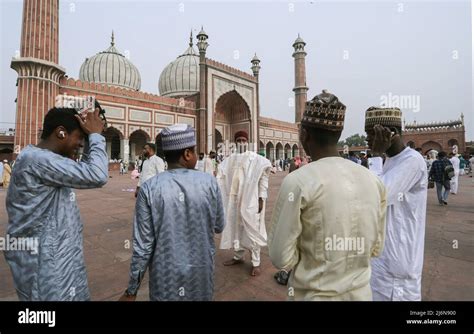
(42, 208)
(176, 216)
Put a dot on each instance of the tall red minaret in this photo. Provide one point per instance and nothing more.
(38, 69)
(203, 142)
(300, 78)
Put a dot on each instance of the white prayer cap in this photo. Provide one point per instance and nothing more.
(178, 137)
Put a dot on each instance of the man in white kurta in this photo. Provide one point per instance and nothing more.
(396, 274)
(454, 181)
(152, 166)
(243, 178)
(200, 163)
(208, 166)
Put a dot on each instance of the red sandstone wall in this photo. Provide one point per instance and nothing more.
(441, 136)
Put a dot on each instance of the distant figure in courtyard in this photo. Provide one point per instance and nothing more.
(151, 166)
(243, 178)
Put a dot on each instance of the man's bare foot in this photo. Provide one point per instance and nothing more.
(233, 262)
(255, 271)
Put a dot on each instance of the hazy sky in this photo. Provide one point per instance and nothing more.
(362, 51)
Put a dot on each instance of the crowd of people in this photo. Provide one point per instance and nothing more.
(341, 229)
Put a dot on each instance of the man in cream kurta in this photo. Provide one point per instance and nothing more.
(6, 175)
(243, 178)
(320, 211)
(329, 219)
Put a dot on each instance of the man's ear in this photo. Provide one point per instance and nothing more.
(60, 132)
(188, 154)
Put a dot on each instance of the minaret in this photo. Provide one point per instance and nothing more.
(256, 70)
(300, 78)
(255, 66)
(38, 69)
(205, 138)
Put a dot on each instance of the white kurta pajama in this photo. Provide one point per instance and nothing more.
(396, 274)
(243, 178)
(454, 181)
(208, 166)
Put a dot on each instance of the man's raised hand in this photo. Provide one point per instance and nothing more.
(91, 123)
(382, 140)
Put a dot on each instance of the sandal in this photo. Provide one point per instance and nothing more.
(282, 277)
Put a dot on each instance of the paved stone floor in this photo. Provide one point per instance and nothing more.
(447, 275)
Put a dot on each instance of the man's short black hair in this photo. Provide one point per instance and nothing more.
(151, 145)
(60, 117)
(173, 156)
(441, 154)
(323, 137)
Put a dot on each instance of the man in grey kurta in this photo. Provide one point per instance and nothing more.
(42, 207)
(176, 215)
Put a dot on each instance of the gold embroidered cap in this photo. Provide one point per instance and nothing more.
(389, 117)
(324, 111)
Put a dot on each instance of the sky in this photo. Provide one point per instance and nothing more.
(417, 54)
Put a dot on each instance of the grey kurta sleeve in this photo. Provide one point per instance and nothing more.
(65, 172)
(143, 240)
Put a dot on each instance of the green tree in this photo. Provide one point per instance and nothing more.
(354, 140)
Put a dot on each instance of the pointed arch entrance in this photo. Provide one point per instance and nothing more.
(232, 114)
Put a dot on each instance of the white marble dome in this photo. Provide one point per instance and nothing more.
(112, 68)
(181, 77)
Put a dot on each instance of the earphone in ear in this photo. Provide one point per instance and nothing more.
(62, 134)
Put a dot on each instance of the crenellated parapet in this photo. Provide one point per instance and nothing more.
(229, 69)
(274, 123)
(123, 92)
(434, 126)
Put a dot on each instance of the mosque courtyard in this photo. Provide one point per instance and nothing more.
(107, 215)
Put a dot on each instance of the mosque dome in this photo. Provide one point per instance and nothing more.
(181, 76)
(112, 68)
